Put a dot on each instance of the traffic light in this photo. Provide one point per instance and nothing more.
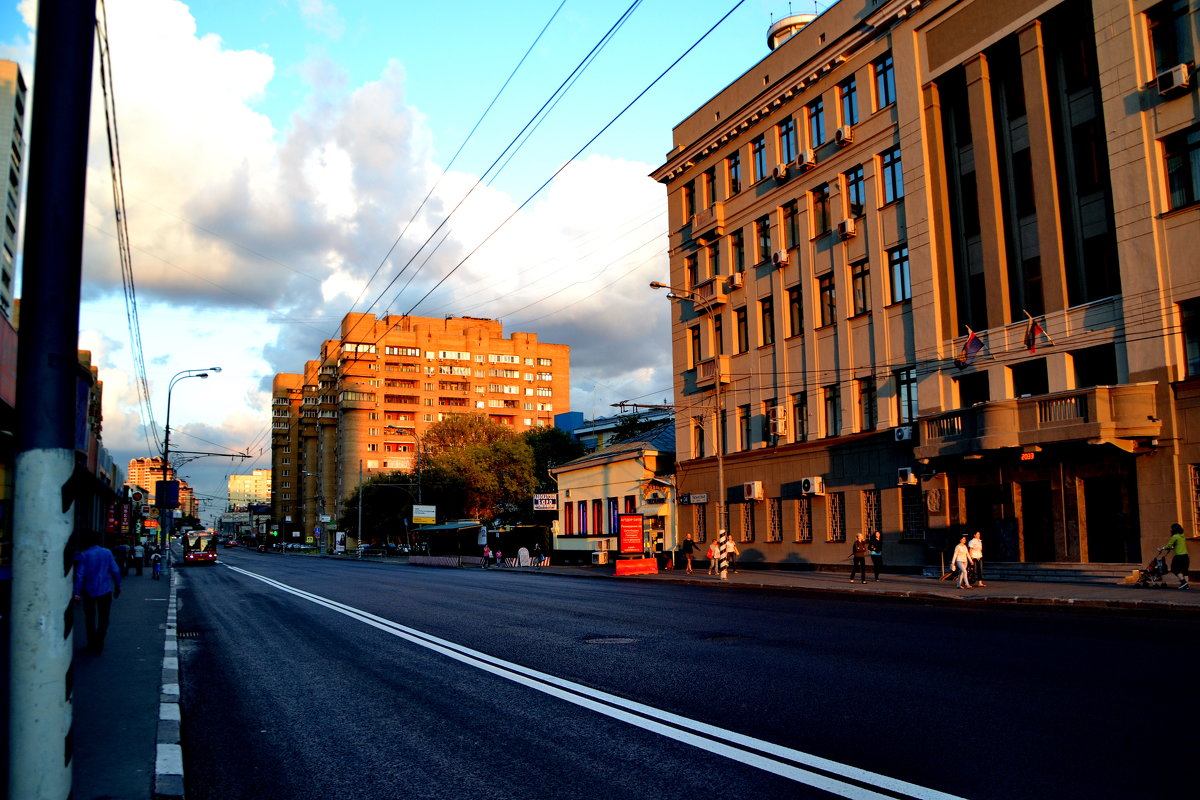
(274, 532)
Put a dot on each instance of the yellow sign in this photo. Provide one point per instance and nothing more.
(424, 515)
(149, 523)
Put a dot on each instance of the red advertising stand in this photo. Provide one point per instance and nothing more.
(631, 541)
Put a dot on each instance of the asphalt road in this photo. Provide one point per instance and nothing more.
(741, 693)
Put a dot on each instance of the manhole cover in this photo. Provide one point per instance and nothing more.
(609, 640)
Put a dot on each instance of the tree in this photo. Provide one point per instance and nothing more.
(387, 508)
(630, 428)
(475, 468)
(552, 447)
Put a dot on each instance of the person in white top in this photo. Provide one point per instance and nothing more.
(975, 548)
(960, 560)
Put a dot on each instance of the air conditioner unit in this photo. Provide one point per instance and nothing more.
(780, 173)
(737, 280)
(846, 228)
(844, 136)
(806, 160)
(906, 477)
(1175, 80)
(814, 485)
(904, 433)
(752, 490)
(778, 421)
(779, 258)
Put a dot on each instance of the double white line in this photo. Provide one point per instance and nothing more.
(821, 773)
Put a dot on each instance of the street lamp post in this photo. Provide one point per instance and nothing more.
(718, 409)
(164, 525)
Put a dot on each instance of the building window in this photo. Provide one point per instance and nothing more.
(827, 294)
(758, 151)
(737, 246)
(770, 429)
(787, 141)
(848, 94)
(689, 201)
(694, 338)
(795, 311)
(836, 503)
(906, 394)
(718, 329)
(885, 82)
(709, 188)
(833, 410)
(744, 433)
(700, 521)
(766, 315)
(1182, 152)
(698, 438)
(743, 333)
(856, 191)
(1189, 317)
(791, 224)
(598, 517)
(762, 233)
(713, 252)
(800, 416)
(774, 520)
(898, 271)
(568, 518)
(803, 531)
(630, 503)
(691, 270)
(912, 513)
(868, 415)
(860, 287)
(733, 170)
(583, 517)
(892, 171)
(820, 209)
(613, 511)
(816, 122)
(872, 513)
(1171, 34)
(747, 522)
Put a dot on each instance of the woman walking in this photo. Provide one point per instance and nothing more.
(961, 559)
(975, 550)
(859, 554)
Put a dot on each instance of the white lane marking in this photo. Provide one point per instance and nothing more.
(754, 752)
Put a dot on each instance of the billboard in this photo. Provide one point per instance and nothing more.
(545, 502)
(630, 538)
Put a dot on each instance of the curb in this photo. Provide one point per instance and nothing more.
(168, 759)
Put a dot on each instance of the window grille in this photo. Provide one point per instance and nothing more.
(872, 513)
(747, 522)
(837, 516)
(912, 510)
(774, 523)
(804, 519)
(701, 512)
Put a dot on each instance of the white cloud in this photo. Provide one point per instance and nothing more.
(323, 17)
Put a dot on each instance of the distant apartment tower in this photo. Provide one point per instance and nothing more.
(864, 228)
(144, 473)
(252, 489)
(370, 395)
(12, 144)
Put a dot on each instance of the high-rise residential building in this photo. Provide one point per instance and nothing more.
(934, 270)
(145, 473)
(252, 489)
(12, 144)
(363, 404)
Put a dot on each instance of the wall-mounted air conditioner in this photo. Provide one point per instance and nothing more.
(906, 477)
(813, 485)
(778, 421)
(846, 229)
(1176, 80)
(806, 160)
(737, 280)
(904, 433)
(779, 258)
(844, 136)
(752, 490)
(780, 173)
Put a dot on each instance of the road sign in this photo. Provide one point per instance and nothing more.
(426, 515)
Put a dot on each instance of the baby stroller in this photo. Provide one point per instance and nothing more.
(1155, 572)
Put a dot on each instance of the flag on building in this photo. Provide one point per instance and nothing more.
(970, 347)
(1032, 333)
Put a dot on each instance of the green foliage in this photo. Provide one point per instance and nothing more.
(631, 427)
(552, 447)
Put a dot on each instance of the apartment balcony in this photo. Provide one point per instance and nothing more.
(1100, 415)
(709, 294)
(709, 223)
(711, 372)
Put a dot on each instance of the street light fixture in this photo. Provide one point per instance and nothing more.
(164, 524)
(676, 293)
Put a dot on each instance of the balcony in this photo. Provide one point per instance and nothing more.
(1099, 415)
(711, 372)
(709, 294)
(709, 223)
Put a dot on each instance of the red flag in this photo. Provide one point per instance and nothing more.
(1031, 335)
(972, 346)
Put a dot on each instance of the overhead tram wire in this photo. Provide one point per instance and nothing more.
(577, 153)
(453, 159)
(582, 65)
(108, 89)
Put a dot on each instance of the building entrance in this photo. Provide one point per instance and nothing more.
(1111, 536)
(1037, 522)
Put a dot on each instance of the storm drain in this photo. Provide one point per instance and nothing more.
(609, 640)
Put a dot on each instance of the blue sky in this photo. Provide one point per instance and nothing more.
(274, 149)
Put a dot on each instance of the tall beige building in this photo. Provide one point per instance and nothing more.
(252, 489)
(364, 403)
(12, 143)
(934, 271)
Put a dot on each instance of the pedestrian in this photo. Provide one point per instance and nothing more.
(538, 555)
(689, 549)
(734, 554)
(97, 583)
(487, 556)
(724, 551)
(1179, 561)
(712, 558)
(139, 557)
(961, 560)
(858, 552)
(875, 550)
(499, 558)
(975, 550)
(122, 556)
(156, 565)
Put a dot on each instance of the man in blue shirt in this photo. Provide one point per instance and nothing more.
(97, 582)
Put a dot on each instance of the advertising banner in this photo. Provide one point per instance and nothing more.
(545, 502)
(630, 538)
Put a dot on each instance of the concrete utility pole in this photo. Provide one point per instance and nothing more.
(47, 372)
